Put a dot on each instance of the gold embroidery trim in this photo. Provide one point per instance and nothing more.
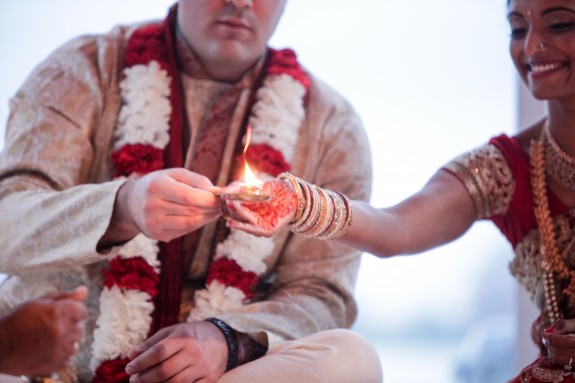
(487, 177)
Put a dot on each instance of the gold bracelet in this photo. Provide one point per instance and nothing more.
(321, 213)
(340, 218)
(333, 220)
(298, 192)
(345, 223)
(327, 209)
(315, 211)
(307, 206)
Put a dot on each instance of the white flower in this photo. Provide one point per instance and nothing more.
(278, 114)
(215, 299)
(124, 322)
(142, 246)
(247, 250)
(145, 113)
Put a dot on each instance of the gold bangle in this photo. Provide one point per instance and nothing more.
(321, 213)
(307, 205)
(315, 211)
(299, 194)
(326, 215)
(346, 223)
(341, 219)
(333, 220)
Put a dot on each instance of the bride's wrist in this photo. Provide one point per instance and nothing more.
(320, 213)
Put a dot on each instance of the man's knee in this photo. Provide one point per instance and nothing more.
(354, 355)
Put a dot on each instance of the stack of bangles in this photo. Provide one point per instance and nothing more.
(320, 213)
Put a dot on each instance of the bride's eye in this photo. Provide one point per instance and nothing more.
(518, 32)
(561, 27)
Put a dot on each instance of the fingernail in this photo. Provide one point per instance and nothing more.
(129, 370)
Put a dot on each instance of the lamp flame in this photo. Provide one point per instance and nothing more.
(249, 177)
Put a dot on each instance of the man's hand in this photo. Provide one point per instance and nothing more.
(162, 205)
(188, 352)
(40, 336)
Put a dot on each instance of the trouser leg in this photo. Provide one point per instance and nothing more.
(333, 356)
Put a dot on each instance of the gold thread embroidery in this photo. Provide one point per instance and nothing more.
(487, 177)
(559, 165)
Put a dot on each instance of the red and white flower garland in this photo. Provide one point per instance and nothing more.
(131, 283)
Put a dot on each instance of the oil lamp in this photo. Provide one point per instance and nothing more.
(250, 187)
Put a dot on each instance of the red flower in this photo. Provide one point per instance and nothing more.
(145, 45)
(285, 61)
(229, 273)
(137, 158)
(112, 371)
(132, 273)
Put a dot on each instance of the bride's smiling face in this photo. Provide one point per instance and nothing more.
(542, 46)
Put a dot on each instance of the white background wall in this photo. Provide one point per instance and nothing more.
(431, 79)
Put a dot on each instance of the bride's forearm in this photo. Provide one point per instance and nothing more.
(372, 230)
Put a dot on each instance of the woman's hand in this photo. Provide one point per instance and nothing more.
(262, 218)
(560, 342)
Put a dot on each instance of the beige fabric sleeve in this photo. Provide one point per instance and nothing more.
(55, 196)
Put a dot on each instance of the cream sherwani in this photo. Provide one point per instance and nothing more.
(56, 199)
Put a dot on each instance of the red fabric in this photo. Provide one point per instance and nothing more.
(543, 371)
(167, 303)
(518, 221)
(520, 218)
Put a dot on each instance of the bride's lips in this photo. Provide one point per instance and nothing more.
(541, 69)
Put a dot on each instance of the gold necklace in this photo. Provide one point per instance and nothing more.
(551, 261)
(560, 166)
